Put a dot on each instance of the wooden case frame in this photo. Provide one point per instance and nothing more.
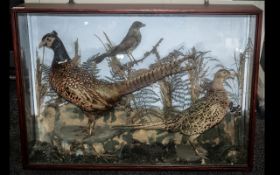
(134, 9)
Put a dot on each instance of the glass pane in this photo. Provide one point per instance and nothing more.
(177, 95)
(28, 82)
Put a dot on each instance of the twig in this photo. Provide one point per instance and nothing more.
(107, 38)
(76, 44)
(148, 53)
(154, 50)
(76, 60)
(101, 41)
(43, 55)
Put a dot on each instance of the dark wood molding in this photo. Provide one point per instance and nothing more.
(135, 9)
(138, 8)
(20, 91)
(255, 78)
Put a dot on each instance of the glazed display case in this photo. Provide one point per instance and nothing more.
(110, 86)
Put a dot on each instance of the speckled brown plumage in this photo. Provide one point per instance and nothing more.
(202, 115)
(80, 88)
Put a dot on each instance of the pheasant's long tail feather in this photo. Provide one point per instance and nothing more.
(159, 125)
(151, 76)
(169, 124)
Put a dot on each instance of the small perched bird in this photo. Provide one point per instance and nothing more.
(127, 45)
(92, 95)
(201, 116)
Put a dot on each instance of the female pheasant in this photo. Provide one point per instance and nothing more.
(90, 94)
(202, 115)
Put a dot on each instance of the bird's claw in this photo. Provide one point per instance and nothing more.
(203, 162)
(202, 153)
(91, 125)
(87, 130)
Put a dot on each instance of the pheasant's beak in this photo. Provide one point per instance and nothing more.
(42, 43)
(232, 75)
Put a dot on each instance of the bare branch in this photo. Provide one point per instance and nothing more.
(76, 60)
(101, 41)
(107, 38)
(76, 43)
(148, 53)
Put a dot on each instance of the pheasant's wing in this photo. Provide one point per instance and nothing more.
(84, 98)
(196, 107)
(201, 116)
(80, 90)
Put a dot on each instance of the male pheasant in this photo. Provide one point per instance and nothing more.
(90, 94)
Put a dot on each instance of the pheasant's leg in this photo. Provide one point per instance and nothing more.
(201, 152)
(64, 103)
(91, 122)
(91, 126)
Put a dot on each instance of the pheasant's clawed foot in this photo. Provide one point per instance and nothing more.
(88, 131)
(85, 132)
(90, 128)
(202, 153)
(63, 103)
(91, 123)
(199, 150)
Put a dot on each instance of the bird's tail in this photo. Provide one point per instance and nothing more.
(158, 125)
(110, 53)
(101, 57)
(151, 76)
